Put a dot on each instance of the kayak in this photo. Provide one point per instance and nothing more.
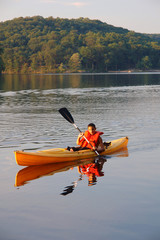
(57, 155)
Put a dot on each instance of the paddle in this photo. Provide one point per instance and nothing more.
(67, 115)
(69, 189)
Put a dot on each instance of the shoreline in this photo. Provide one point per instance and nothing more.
(87, 73)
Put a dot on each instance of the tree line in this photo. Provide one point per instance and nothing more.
(37, 44)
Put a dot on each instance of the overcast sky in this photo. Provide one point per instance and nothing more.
(136, 15)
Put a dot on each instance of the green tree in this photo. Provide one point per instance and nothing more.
(34, 62)
(75, 62)
(48, 44)
(24, 68)
(2, 66)
(61, 68)
(144, 63)
(87, 55)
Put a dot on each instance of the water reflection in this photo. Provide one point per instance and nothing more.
(17, 82)
(92, 171)
(91, 168)
(30, 173)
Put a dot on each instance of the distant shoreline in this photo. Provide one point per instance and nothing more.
(87, 73)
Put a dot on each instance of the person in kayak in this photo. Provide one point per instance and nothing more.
(93, 137)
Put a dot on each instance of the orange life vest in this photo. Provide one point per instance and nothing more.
(93, 139)
(91, 168)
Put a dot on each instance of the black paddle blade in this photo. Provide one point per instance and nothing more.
(66, 114)
(67, 190)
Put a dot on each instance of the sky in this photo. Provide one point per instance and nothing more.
(141, 16)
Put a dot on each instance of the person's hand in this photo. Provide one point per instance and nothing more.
(94, 148)
(81, 135)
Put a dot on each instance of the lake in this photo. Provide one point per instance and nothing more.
(122, 202)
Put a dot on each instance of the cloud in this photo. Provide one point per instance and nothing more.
(49, 1)
(77, 4)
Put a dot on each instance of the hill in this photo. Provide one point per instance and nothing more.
(46, 25)
(155, 37)
(37, 44)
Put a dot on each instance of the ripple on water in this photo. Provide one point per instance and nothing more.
(32, 115)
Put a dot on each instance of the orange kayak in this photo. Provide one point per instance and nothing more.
(57, 155)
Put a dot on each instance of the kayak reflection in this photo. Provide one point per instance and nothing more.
(30, 173)
(88, 167)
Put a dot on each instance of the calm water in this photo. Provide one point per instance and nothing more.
(124, 203)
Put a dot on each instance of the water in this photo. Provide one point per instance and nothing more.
(122, 204)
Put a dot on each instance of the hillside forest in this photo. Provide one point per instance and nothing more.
(56, 45)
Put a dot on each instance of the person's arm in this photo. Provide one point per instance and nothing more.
(79, 138)
(100, 147)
